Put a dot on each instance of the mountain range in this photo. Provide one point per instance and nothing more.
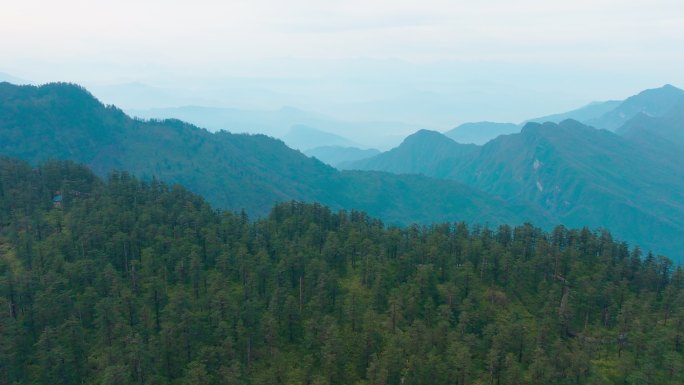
(481, 132)
(280, 123)
(337, 156)
(233, 171)
(609, 115)
(591, 111)
(628, 181)
(664, 133)
(302, 137)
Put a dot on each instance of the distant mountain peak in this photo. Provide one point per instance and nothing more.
(665, 90)
(654, 102)
(69, 97)
(568, 127)
(303, 137)
(422, 135)
(424, 131)
(481, 132)
(670, 86)
(531, 127)
(571, 123)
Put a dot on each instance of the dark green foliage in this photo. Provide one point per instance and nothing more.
(251, 172)
(133, 282)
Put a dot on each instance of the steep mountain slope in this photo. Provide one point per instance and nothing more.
(63, 121)
(583, 176)
(664, 134)
(480, 132)
(590, 111)
(338, 155)
(424, 152)
(573, 173)
(653, 102)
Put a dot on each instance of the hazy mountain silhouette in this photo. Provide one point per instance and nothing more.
(338, 155)
(653, 102)
(5, 77)
(609, 115)
(233, 171)
(481, 132)
(301, 137)
(567, 172)
(270, 122)
(424, 152)
(664, 134)
(590, 111)
(279, 122)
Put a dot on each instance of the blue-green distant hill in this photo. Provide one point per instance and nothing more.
(481, 132)
(424, 152)
(575, 174)
(654, 102)
(233, 171)
(339, 155)
(630, 182)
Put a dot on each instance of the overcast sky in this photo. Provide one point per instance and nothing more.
(334, 56)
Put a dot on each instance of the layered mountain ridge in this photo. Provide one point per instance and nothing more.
(627, 181)
(233, 171)
(574, 173)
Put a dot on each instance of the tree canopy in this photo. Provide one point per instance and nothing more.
(130, 282)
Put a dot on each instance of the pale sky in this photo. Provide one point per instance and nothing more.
(361, 59)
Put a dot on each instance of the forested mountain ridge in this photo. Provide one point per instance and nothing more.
(587, 177)
(575, 174)
(424, 152)
(232, 171)
(140, 283)
(610, 115)
(548, 174)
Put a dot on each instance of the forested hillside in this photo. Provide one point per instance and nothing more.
(125, 282)
(232, 171)
(424, 152)
(575, 174)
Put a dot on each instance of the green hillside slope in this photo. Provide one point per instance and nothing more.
(140, 283)
(251, 172)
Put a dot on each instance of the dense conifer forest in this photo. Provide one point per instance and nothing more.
(130, 282)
